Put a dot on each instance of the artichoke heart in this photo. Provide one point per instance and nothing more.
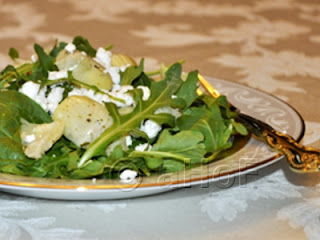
(39, 138)
(119, 60)
(85, 119)
(84, 69)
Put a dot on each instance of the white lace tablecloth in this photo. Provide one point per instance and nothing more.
(269, 45)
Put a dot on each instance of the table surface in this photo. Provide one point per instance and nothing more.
(269, 45)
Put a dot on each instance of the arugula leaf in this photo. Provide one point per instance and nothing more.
(198, 119)
(138, 133)
(142, 80)
(188, 89)
(46, 61)
(239, 127)
(52, 166)
(58, 47)
(131, 73)
(154, 163)
(210, 123)
(226, 112)
(163, 118)
(94, 168)
(185, 146)
(58, 162)
(44, 64)
(16, 166)
(7, 74)
(13, 78)
(83, 44)
(13, 53)
(117, 153)
(173, 166)
(222, 102)
(174, 73)
(161, 93)
(9, 69)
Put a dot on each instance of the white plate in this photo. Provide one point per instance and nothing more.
(253, 156)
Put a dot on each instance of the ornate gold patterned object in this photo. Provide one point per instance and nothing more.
(300, 158)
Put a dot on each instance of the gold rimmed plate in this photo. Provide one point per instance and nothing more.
(252, 156)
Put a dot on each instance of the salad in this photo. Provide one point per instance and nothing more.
(77, 112)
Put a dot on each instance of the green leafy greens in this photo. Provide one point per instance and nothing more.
(161, 93)
(13, 107)
(203, 129)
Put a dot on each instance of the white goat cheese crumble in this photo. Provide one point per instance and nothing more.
(70, 47)
(34, 58)
(103, 57)
(54, 75)
(122, 89)
(101, 98)
(49, 103)
(128, 141)
(54, 98)
(143, 147)
(146, 92)
(33, 91)
(128, 176)
(151, 128)
(114, 74)
(30, 89)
